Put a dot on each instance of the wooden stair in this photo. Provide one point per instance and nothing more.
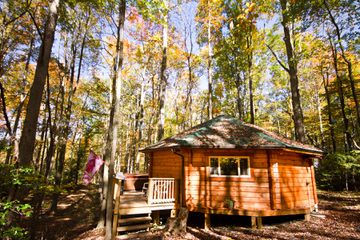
(132, 210)
(131, 213)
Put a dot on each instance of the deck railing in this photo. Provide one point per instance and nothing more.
(161, 191)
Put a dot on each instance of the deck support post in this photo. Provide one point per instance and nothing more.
(117, 191)
(253, 222)
(207, 222)
(307, 217)
(259, 222)
(256, 222)
(156, 217)
(173, 213)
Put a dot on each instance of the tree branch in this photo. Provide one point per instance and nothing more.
(2, 93)
(36, 25)
(19, 16)
(277, 58)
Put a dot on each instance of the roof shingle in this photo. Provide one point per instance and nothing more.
(226, 132)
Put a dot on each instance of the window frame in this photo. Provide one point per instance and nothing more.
(238, 166)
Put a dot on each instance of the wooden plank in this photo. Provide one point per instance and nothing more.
(134, 220)
(129, 211)
(237, 205)
(313, 183)
(275, 181)
(254, 189)
(158, 207)
(271, 183)
(263, 179)
(231, 193)
(151, 165)
(117, 192)
(221, 197)
(252, 212)
(203, 184)
(133, 227)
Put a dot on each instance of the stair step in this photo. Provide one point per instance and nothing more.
(130, 211)
(133, 227)
(134, 220)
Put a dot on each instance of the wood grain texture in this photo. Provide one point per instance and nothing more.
(278, 180)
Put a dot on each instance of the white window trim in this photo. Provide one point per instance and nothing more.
(238, 162)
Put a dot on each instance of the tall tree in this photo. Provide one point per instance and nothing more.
(27, 140)
(349, 64)
(78, 40)
(293, 73)
(112, 133)
(209, 16)
(288, 18)
(163, 75)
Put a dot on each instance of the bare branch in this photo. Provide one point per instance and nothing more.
(277, 58)
(36, 25)
(19, 16)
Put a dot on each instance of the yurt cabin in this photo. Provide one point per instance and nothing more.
(226, 166)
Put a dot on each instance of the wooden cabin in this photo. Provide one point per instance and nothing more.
(225, 166)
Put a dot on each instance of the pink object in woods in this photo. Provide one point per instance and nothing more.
(93, 165)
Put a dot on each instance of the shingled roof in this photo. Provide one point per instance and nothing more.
(225, 132)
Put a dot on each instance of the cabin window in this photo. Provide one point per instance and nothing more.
(229, 166)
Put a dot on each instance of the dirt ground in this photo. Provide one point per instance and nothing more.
(338, 218)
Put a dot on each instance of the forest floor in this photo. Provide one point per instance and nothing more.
(338, 218)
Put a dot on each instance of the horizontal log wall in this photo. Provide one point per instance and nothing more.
(295, 181)
(166, 164)
(206, 191)
(290, 187)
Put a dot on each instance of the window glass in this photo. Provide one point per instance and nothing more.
(229, 166)
(214, 164)
(244, 166)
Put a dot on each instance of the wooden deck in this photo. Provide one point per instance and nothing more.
(136, 201)
(133, 209)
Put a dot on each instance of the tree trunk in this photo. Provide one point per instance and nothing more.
(175, 226)
(348, 63)
(139, 125)
(42, 141)
(66, 126)
(13, 152)
(4, 111)
(209, 70)
(163, 78)
(52, 129)
(27, 140)
(81, 154)
(339, 86)
(249, 66)
(239, 100)
(329, 112)
(318, 106)
(298, 117)
(111, 141)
